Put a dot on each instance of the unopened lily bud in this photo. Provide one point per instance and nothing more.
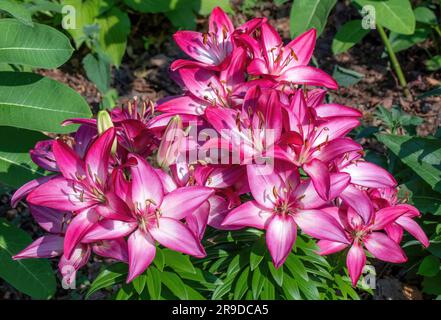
(169, 148)
(104, 122)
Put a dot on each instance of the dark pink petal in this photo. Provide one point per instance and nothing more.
(270, 42)
(329, 247)
(69, 163)
(53, 221)
(43, 156)
(167, 181)
(264, 183)
(336, 110)
(28, 187)
(333, 129)
(234, 74)
(394, 231)
(387, 215)
(197, 220)
(369, 175)
(249, 214)
(359, 201)
(115, 249)
(355, 261)
(219, 209)
(183, 201)
(303, 47)
(146, 186)
(114, 208)
(309, 76)
(257, 67)
(77, 228)
(83, 137)
(414, 229)
(225, 177)
(98, 157)
(183, 105)
(192, 43)
(219, 23)
(280, 236)
(107, 229)
(62, 194)
(141, 251)
(308, 196)
(339, 182)
(319, 173)
(48, 246)
(336, 148)
(384, 248)
(175, 235)
(320, 225)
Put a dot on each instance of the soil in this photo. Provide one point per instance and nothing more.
(144, 73)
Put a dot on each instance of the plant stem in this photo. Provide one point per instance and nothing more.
(393, 58)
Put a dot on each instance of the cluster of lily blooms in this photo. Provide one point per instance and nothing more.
(120, 185)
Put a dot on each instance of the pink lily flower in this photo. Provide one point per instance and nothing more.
(288, 63)
(311, 144)
(211, 50)
(155, 216)
(281, 202)
(359, 234)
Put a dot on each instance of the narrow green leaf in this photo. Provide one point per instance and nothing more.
(98, 71)
(291, 289)
(139, 283)
(159, 260)
(33, 277)
(241, 284)
(29, 101)
(257, 253)
(17, 10)
(153, 280)
(295, 265)
(348, 35)
(110, 276)
(125, 293)
(39, 46)
(174, 284)
(422, 155)
(178, 261)
(307, 14)
(276, 273)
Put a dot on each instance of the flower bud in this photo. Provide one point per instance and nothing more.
(104, 122)
(169, 148)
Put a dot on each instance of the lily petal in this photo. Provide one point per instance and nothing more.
(355, 261)
(280, 236)
(384, 248)
(141, 251)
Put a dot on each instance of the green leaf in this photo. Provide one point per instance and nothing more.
(16, 166)
(182, 18)
(110, 276)
(39, 46)
(425, 15)
(268, 291)
(31, 276)
(434, 92)
(276, 273)
(429, 267)
(98, 71)
(346, 77)
(296, 266)
(174, 284)
(241, 284)
(205, 7)
(307, 14)
(434, 63)
(422, 155)
(178, 261)
(291, 289)
(400, 42)
(432, 285)
(125, 293)
(257, 281)
(154, 283)
(17, 10)
(85, 14)
(348, 35)
(139, 283)
(257, 253)
(150, 6)
(114, 28)
(159, 259)
(395, 15)
(31, 101)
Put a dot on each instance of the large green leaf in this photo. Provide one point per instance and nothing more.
(395, 15)
(178, 261)
(400, 42)
(348, 35)
(151, 6)
(307, 14)
(17, 10)
(38, 46)
(34, 102)
(422, 155)
(114, 28)
(16, 167)
(154, 283)
(30, 276)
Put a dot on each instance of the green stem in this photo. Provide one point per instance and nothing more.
(393, 58)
